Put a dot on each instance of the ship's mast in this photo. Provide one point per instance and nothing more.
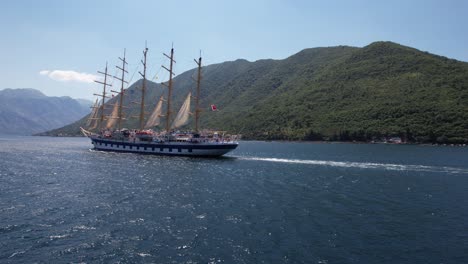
(197, 98)
(169, 86)
(103, 95)
(142, 106)
(121, 93)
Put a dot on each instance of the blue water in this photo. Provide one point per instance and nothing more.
(266, 202)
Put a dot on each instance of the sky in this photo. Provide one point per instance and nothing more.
(58, 46)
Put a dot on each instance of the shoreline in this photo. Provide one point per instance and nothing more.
(307, 141)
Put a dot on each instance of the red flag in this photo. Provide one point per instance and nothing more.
(213, 108)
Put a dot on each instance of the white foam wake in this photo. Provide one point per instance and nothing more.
(362, 165)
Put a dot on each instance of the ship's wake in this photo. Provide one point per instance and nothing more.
(363, 165)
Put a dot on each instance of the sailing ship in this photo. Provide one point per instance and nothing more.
(168, 141)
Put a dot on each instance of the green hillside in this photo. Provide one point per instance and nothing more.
(334, 93)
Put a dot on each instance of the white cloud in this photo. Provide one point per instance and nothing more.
(66, 76)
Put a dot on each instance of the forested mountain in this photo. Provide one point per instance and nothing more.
(333, 93)
(28, 111)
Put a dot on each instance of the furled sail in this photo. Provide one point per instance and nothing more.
(155, 117)
(93, 113)
(114, 116)
(92, 120)
(183, 115)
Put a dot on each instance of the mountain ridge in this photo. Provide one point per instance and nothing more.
(26, 111)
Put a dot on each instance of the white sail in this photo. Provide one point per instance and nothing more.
(93, 114)
(183, 115)
(155, 117)
(114, 116)
(88, 123)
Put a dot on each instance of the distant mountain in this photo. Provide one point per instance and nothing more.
(332, 93)
(28, 111)
(85, 103)
(24, 93)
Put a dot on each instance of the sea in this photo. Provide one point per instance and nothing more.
(265, 202)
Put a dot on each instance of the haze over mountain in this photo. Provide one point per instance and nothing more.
(28, 111)
(332, 93)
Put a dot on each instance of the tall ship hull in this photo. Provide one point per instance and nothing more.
(202, 149)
